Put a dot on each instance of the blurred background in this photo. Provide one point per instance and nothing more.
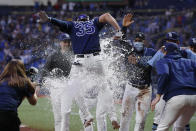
(21, 36)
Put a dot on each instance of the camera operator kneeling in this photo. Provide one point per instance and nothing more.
(14, 87)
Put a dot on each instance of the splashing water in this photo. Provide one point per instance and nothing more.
(114, 77)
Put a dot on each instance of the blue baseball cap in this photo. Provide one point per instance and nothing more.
(172, 36)
(192, 42)
(140, 35)
(171, 46)
(64, 37)
(83, 17)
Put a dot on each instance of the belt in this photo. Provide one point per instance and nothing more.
(87, 55)
(140, 86)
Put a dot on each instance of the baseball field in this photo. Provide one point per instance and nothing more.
(40, 117)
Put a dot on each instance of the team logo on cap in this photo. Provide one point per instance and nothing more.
(170, 34)
(194, 40)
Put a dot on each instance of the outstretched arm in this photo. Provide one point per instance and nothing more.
(127, 21)
(65, 26)
(107, 18)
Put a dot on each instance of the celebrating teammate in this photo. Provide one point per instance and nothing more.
(138, 90)
(177, 82)
(87, 69)
(54, 74)
(192, 44)
(186, 53)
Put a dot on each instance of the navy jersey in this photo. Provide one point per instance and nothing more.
(60, 61)
(140, 73)
(11, 97)
(177, 76)
(84, 34)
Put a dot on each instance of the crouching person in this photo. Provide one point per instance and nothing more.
(14, 87)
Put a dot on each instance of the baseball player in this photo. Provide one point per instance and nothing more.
(192, 44)
(176, 83)
(54, 74)
(87, 70)
(138, 90)
(91, 99)
(186, 53)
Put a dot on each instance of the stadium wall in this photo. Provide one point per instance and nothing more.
(24, 2)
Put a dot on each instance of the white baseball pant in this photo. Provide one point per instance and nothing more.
(57, 99)
(132, 98)
(91, 73)
(159, 108)
(104, 106)
(181, 107)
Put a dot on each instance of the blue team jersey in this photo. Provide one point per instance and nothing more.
(11, 97)
(177, 76)
(84, 34)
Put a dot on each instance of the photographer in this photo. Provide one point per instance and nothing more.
(14, 87)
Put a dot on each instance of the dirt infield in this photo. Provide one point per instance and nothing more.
(25, 128)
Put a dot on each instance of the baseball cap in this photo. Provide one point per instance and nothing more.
(83, 17)
(63, 37)
(171, 46)
(140, 35)
(172, 36)
(192, 42)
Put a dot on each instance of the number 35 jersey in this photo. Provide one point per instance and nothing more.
(84, 34)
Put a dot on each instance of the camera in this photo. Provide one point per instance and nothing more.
(31, 73)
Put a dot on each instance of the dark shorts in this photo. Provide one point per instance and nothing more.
(9, 121)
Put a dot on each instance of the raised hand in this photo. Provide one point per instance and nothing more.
(127, 20)
(43, 16)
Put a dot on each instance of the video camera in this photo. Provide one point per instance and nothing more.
(31, 73)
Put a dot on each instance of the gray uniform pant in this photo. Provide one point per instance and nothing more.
(135, 99)
(180, 108)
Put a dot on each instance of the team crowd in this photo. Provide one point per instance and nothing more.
(75, 72)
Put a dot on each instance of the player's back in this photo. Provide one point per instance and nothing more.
(183, 71)
(85, 36)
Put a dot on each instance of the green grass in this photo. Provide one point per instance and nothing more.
(41, 117)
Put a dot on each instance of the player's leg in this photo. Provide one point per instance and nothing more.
(111, 110)
(158, 112)
(101, 110)
(183, 120)
(128, 106)
(55, 95)
(77, 83)
(174, 107)
(66, 102)
(105, 106)
(142, 108)
(56, 106)
(90, 104)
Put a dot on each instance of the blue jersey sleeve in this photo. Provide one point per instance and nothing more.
(155, 58)
(65, 26)
(98, 24)
(162, 69)
(190, 54)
